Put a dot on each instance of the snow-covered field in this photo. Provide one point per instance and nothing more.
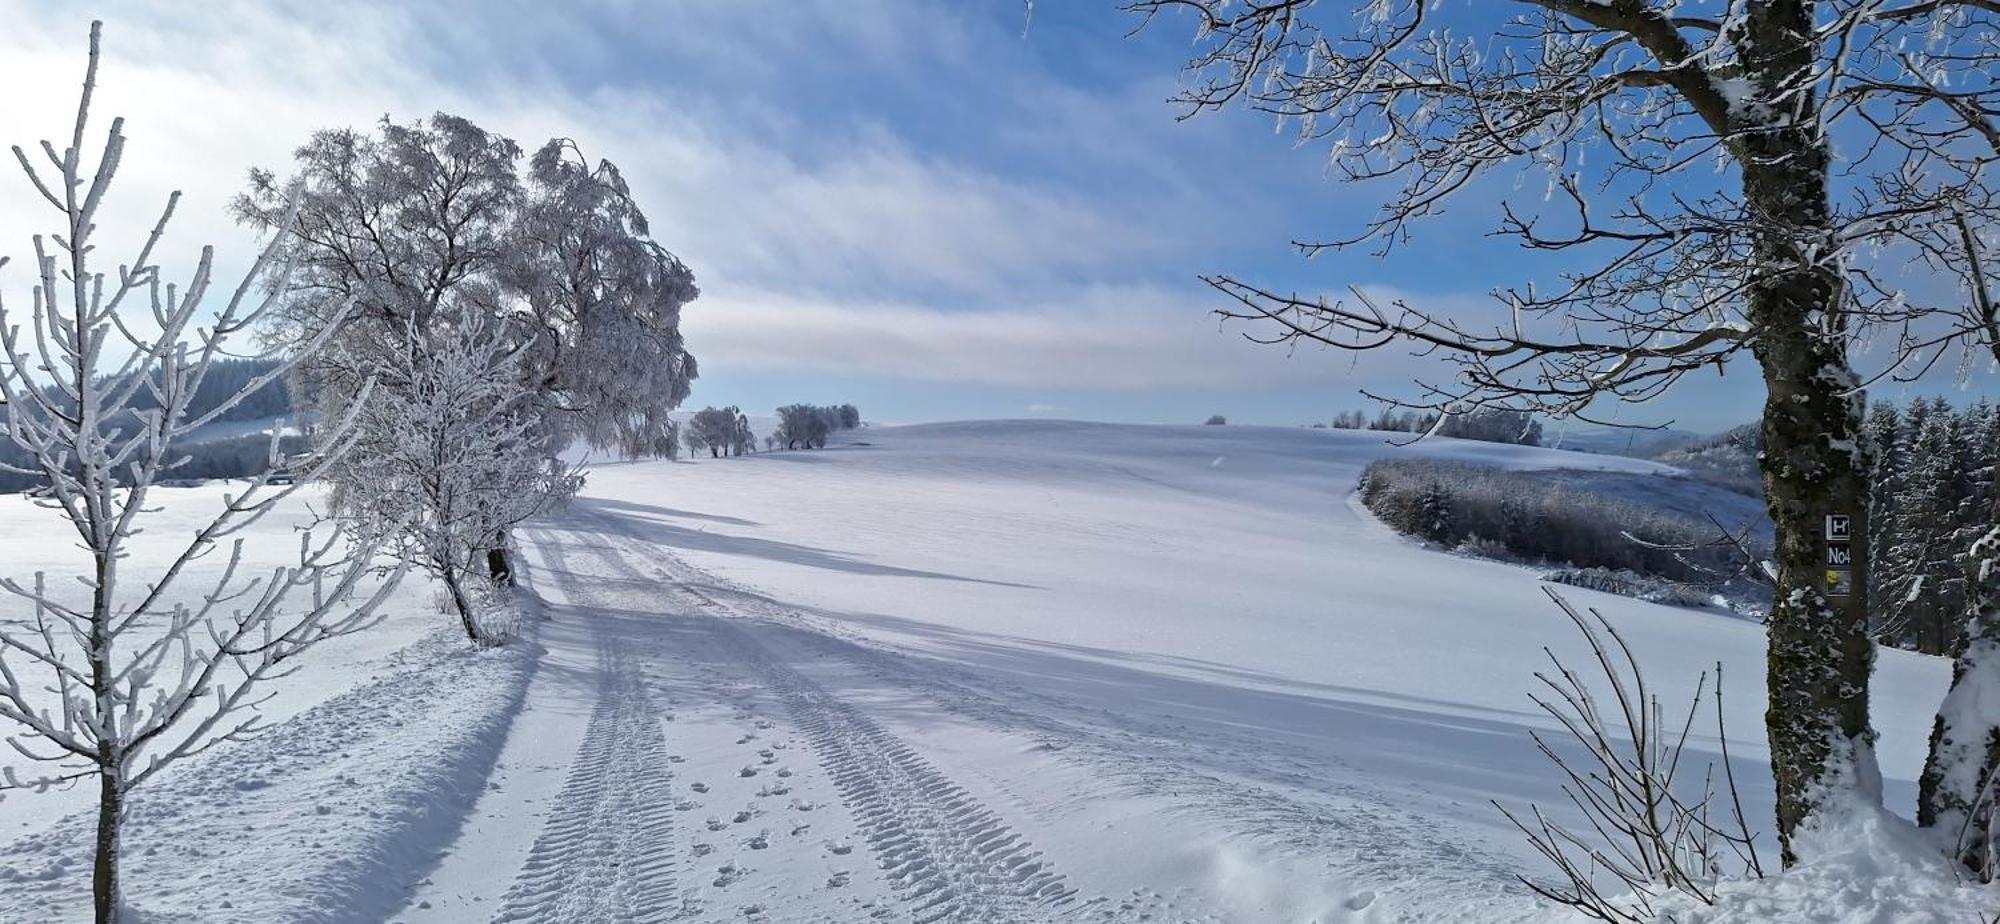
(993, 671)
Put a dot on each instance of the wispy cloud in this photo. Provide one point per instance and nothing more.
(1094, 337)
(1053, 248)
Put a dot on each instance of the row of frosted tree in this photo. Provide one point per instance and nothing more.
(725, 431)
(1486, 424)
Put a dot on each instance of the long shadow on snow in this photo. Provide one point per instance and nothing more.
(1326, 739)
(644, 522)
(1168, 722)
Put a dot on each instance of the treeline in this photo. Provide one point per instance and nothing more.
(224, 380)
(1487, 424)
(1931, 496)
(1728, 459)
(1528, 518)
(726, 431)
(1931, 472)
(235, 457)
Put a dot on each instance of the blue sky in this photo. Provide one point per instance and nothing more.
(933, 210)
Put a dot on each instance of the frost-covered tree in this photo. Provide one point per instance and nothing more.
(118, 671)
(446, 459)
(804, 426)
(600, 303)
(717, 430)
(436, 218)
(1838, 141)
(1493, 425)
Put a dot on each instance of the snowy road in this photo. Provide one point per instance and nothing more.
(716, 778)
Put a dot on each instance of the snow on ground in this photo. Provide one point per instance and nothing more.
(1172, 673)
(380, 741)
(992, 672)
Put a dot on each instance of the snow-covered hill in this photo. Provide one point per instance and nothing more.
(1007, 671)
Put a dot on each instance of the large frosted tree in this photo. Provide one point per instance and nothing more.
(120, 670)
(1739, 181)
(435, 219)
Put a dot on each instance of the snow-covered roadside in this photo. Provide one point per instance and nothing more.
(331, 816)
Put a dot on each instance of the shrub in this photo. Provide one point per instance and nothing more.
(1529, 517)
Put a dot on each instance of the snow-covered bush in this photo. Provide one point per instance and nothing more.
(1728, 459)
(1493, 425)
(118, 672)
(1630, 584)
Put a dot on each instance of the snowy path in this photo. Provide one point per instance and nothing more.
(760, 795)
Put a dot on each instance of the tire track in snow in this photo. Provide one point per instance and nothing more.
(954, 859)
(947, 853)
(606, 851)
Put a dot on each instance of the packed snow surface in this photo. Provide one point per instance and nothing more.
(978, 672)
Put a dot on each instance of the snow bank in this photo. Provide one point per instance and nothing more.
(1862, 865)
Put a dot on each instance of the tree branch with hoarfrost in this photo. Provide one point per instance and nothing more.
(110, 672)
(1755, 184)
(445, 458)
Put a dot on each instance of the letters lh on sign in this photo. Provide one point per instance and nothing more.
(1839, 527)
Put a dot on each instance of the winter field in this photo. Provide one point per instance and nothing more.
(991, 671)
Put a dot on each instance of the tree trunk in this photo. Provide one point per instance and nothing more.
(1965, 738)
(465, 616)
(500, 564)
(1820, 654)
(105, 889)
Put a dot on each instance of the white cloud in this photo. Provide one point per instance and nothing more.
(819, 249)
(211, 91)
(1119, 338)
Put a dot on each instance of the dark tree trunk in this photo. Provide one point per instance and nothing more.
(500, 562)
(500, 566)
(466, 619)
(1820, 653)
(106, 892)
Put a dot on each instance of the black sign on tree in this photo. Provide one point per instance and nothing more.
(1839, 555)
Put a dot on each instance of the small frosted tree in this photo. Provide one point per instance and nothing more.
(445, 459)
(803, 426)
(133, 672)
(714, 429)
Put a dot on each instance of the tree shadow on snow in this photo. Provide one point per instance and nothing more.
(654, 525)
